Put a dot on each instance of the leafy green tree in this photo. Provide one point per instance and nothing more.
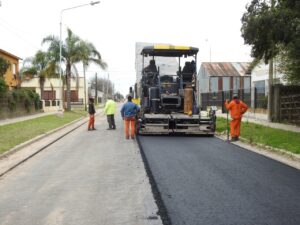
(118, 96)
(89, 54)
(272, 28)
(70, 56)
(41, 65)
(74, 50)
(4, 65)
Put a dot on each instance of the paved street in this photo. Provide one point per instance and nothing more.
(98, 177)
(211, 182)
(86, 178)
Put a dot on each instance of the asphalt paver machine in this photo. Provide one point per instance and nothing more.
(168, 93)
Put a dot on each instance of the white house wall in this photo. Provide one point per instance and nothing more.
(261, 72)
(34, 84)
(203, 80)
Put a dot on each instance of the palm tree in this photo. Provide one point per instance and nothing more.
(42, 66)
(70, 56)
(89, 54)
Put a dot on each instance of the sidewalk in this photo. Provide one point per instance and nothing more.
(261, 119)
(33, 116)
(23, 118)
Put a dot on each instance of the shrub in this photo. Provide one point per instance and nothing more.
(27, 98)
(12, 103)
(4, 65)
(3, 87)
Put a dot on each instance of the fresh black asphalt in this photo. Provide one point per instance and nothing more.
(204, 180)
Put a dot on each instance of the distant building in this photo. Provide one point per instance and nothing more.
(52, 90)
(260, 77)
(52, 87)
(224, 76)
(11, 76)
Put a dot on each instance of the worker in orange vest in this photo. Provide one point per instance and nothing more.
(237, 108)
(92, 112)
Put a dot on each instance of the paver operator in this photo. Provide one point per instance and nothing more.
(129, 111)
(237, 108)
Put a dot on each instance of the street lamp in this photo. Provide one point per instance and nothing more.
(209, 49)
(60, 69)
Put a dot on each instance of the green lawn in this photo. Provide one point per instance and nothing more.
(276, 138)
(17, 133)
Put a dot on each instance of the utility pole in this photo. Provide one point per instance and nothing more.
(85, 102)
(107, 85)
(270, 83)
(103, 92)
(96, 92)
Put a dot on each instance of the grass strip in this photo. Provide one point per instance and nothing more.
(14, 134)
(256, 133)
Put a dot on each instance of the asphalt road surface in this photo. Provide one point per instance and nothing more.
(205, 180)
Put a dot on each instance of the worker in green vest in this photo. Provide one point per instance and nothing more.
(110, 109)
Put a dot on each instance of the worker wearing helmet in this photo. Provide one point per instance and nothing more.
(237, 108)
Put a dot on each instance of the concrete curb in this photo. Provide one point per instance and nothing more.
(81, 121)
(26, 143)
(20, 147)
(277, 154)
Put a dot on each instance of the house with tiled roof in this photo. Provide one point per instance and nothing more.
(11, 77)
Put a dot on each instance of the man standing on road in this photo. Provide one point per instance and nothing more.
(129, 111)
(110, 109)
(92, 112)
(237, 109)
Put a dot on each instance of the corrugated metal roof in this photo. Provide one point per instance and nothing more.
(226, 68)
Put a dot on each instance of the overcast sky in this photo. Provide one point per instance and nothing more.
(114, 26)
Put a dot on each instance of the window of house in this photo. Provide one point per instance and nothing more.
(213, 84)
(247, 84)
(74, 96)
(49, 95)
(236, 84)
(14, 68)
(226, 83)
(260, 86)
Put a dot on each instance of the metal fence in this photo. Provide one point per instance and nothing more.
(286, 105)
(255, 98)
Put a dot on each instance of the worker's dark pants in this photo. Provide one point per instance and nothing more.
(111, 121)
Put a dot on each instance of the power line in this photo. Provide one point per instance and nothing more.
(9, 27)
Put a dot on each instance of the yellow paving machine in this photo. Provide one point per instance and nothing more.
(168, 93)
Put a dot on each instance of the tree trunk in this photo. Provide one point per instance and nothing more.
(270, 83)
(85, 101)
(42, 86)
(68, 77)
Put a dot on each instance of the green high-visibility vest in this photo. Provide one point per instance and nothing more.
(110, 107)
